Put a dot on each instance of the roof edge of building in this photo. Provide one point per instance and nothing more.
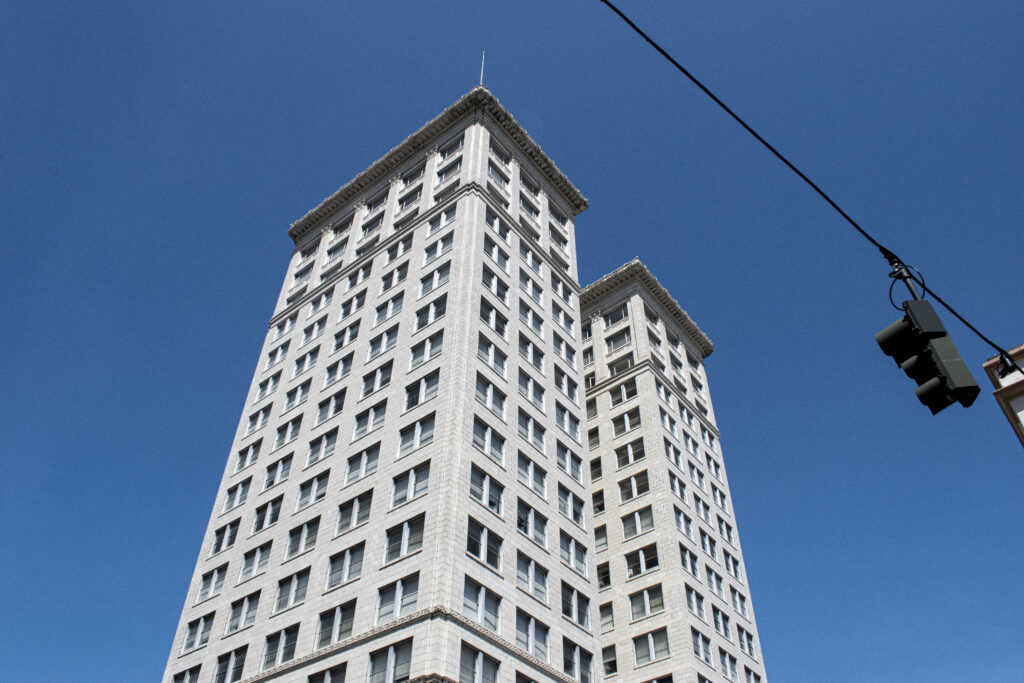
(636, 270)
(477, 99)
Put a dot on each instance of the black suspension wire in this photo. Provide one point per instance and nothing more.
(1004, 355)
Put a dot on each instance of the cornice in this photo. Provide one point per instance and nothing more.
(477, 102)
(636, 271)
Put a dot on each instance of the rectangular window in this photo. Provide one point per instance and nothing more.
(496, 253)
(383, 342)
(198, 632)
(532, 577)
(488, 440)
(345, 566)
(577, 663)
(728, 664)
(248, 455)
(476, 667)
(285, 326)
(398, 249)
(410, 484)
(637, 523)
(623, 392)
(636, 485)
(397, 599)
(377, 379)
(288, 432)
(291, 590)
(346, 336)
(575, 605)
(531, 635)
(573, 553)
(297, 395)
(436, 278)
(211, 583)
(404, 539)
(619, 314)
(531, 353)
(641, 561)
(531, 318)
(389, 309)
(330, 406)
(394, 277)
(258, 419)
(531, 389)
(532, 474)
(531, 430)
(312, 490)
(532, 524)
(335, 624)
(370, 419)
(530, 287)
(564, 349)
(489, 395)
(438, 248)
(321, 447)
(646, 602)
(338, 370)
(569, 462)
(353, 304)
(427, 349)
(651, 646)
(280, 647)
(236, 495)
(626, 421)
(562, 317)
(568, 422)
(302, 538)
(277, 472)
(495, 285)
(267, 386)
(230, 665)
(354, 511)
(481, 605)
(431, 312)
(485, 489)
(416, 435)
(276, 356)
(255, 561)
(490, 316)
(391, 664)
(491, 355)
(484, 544)
(362, 463)
(566, 385)
(224, 537)
(570, 505)
(722, 622)
(422, 390)
(530, 258)
(689, 560)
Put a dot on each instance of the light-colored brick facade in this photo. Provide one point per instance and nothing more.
(407, 496)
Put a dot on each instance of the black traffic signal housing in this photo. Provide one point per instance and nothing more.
(919, 344)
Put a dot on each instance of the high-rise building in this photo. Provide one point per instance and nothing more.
(673, 599)
(407, 495)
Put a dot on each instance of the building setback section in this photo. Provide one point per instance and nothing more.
(409, 493)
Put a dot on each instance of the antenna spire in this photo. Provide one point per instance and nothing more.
(483, 56)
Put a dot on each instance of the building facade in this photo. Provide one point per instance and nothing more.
(1009, 389)
(407, 497)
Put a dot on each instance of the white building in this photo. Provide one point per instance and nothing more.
(406, 497)
(1009, 390)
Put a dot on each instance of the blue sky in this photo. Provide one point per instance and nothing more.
(154, 155)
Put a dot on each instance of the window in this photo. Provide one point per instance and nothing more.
(559, 240)
(438, 248)
(563, 349)
(621, 365)
(188, 676)
(596, 469)
(651, 646)
(530, 286)
(531, 318)
(532, 474)
(427, 349)
(383, 342)
(302, 538)
(495, 285)
(291, 590)
(393, 277)
(607, 617)
(604, 576)
(619, 340)
(391, 664)
(422, 390)
(489, 354)
(371, 418)
(435, 278)
(243, 612)
(416, 435)
(288, 432)
(751, 676)
(276, 356)
(626, 421)
(248, 455)
(476, 667)
(449, 171)
(531, 353)
(267, 386)
(489, 395)
(689, 560)
(722, 622)
(280, 647)
(715, 468)
(728, 664)
(321, 302)
(345, 566)
(230, 665)
(412, 176)
(371, 226)
(532, 524)
(684, 523)
(586, 330)
(321, 447)
(746, 639)
(258, 419)
(312, 490)
(496, 253)
(611, 664)
(330, 406)
(346, 336)
(573, 553)
(377, 380)
(362, 463)
(530, 258)
(255, 561)
(297, 395)
(352, 304)
(637, 523)
(431, 312)
(410, 484)
(531, 430)
(285, 326)
(397, 599)
(335, 252)
(570, 505)
(442, 219)
(224, 537)
(198, 633)
(236, 495)
(562, 317)
(668, 423)
(360, 275)
(714, 582)
(695, 602)
(641, 561)
(485, 489)
(488, 440)
(531, 635)
(576, 662)
(267, 514)
(568, 422)
(531, 389)
(575, 605)
(630, 453)
(566, 385)
(388, 309)
(623, 392)
(484, 544)
(497, 224)
(631, 487)
(532, 577)
(709, 544)
(646, 602)
(354, 511)
(404, 539)
(481, 605)
(725, 529)
(701, 645)
(601, 536)
(496, 321)
(313, 331)
(673, 453)
(398, 249)
(277, 472)
(335, 624)
(732, 565)
(619, 314)
(569, 462)
(588, 358)
(338, 370)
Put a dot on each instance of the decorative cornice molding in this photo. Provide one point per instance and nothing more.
(479, 101)
(635, 270)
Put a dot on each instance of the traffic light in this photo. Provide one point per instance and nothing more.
(919, 344)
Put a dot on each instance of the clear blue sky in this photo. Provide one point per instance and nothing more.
(154, 154)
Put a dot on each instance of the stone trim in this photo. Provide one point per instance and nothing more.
(478, 101)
